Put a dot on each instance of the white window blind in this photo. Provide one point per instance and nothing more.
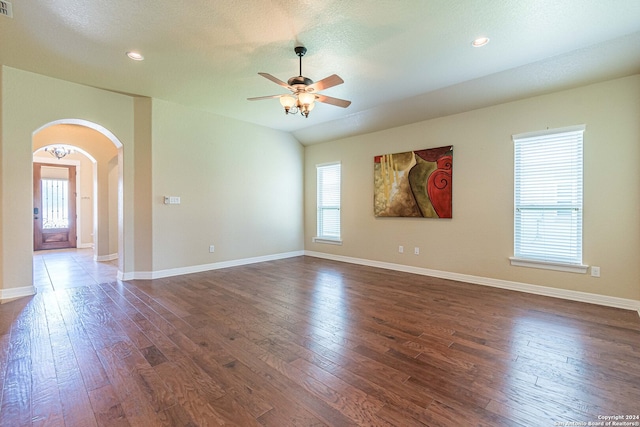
(328, 221)
(548, 196)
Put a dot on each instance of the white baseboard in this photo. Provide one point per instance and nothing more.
(102, 258)
(149, 275)
(13, 293)
(85, 245)
(627, 304)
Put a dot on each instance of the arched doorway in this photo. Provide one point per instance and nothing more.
(96, 145)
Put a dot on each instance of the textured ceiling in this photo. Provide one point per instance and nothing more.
(402, 61)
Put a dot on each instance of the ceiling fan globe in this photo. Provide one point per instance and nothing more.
(287, 101)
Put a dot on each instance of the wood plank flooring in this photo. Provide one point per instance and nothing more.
(311, 342)
(68, 268)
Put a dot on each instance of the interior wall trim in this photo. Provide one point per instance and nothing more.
(102, 258)
(149, 275)
(624, 303)
(13, 293)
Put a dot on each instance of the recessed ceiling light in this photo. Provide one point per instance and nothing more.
(135, 56)
(480, 41)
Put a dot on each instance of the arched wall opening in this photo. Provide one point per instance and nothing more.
(99, 146)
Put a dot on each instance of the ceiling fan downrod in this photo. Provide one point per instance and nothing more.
(300, 51)
(300, 80)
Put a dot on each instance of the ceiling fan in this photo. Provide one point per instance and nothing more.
(304, 90)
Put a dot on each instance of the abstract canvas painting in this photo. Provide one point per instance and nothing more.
(414, 183)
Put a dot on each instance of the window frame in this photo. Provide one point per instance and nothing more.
(544, 259)
(321, 235)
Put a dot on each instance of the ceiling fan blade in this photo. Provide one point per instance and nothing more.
(326, 83)
(258, 98)
(333, 101)
(276, 80)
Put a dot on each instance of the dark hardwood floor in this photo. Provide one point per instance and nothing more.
(309, 342)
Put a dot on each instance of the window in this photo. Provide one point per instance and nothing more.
(328, 220)
(55, 206)
(548, 199)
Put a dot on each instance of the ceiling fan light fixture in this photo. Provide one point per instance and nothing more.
(306, 98)
(305, 109)
(287, 101)
(303, 91)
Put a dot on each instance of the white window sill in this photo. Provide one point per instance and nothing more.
(327, 240)
(546, 265)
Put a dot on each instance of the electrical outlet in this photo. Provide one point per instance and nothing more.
(401, 249)
(416, 251)
(595, 271)
(212, 248)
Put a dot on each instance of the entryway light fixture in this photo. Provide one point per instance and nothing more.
(59, 151)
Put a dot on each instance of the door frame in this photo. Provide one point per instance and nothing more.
(71, 241)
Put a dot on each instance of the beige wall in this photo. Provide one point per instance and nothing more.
(112, 203)
(86, 201)
(143, 185)
(3, 200)
(240, 187)
(29, 102)
(478, 239)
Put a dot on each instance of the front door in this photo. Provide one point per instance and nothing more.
(54, 206)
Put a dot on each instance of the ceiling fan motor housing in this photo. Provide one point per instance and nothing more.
(300, 80)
